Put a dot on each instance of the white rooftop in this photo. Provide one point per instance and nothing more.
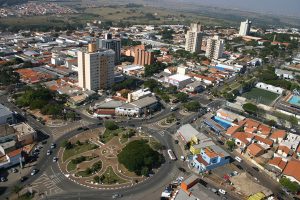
(292, 141)
(179, 77)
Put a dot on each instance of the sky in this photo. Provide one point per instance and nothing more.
(274, 7)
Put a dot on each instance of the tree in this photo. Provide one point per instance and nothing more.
(67, 144)
(145, 171)
(151, 84)
(17, 189)
(250, 108)
(272, 122)
(182, 97)
(293, 187)
(138, 154)
(192, 106)
(293, 120)
(111, 125)
(231, 144)
(96, 179)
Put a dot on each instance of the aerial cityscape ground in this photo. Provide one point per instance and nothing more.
(143, 102)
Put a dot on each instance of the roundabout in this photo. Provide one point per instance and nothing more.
(90, 158)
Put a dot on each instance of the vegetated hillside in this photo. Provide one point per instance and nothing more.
(11, 2)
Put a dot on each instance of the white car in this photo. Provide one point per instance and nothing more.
(222, 191)
(55, 159)
(48, 153)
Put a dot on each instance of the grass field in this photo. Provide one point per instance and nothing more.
(115, 14)
(261, 96)
(77, 150)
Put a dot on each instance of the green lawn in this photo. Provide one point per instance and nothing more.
(71, 166)
(109, 177)
(261, 96)
(109, 134)
(78, 149)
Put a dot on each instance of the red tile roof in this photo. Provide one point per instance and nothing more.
(264, 140)
(231, 130)
(264, 129)
(277, 161)
(292, 169)
(201, 160)
(255, 149)
(278, 134)
(14, 153)
(243, 137)
(285, 149)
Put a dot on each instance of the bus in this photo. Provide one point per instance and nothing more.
(171, 155)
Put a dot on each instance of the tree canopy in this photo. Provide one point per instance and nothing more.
(137, 155)
(250, 108)
(288, 184)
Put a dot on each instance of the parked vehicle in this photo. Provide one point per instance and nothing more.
(222, 191)
(115, 196)
(34, 172)
(238, 159)
(55, 159)
(48, 152)
(53, 146)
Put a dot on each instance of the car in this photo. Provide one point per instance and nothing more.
(55, 159)
(115, 196)
(240, 167)
(238, 159)
(48, 152)
(177, 123)
(181, 169)
(34, 172)
(14, 170)
(23, 178)
(79, 128)
(256, 169)
(221, 191)
(3, 179)
(53, 146)
(214, 190)
(86, 128)
(220, 142)
(176, 141)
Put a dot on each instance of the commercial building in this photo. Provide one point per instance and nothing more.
(96, 68)
(142, 106)
(6, 116)
(214, 47)
(210, 158)
(139, 94)
(193, 38)
(142, 56)
(178, 80)
(109, 43)
(245, 28)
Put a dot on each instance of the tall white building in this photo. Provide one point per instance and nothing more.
(245, 28)
(214, 48)
(96, 68)
(193, 38)
(109, 43)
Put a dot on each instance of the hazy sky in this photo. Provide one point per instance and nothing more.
(277, 7)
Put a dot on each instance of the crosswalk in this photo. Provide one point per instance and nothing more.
(48, 184)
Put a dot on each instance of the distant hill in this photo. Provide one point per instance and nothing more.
(11, 2)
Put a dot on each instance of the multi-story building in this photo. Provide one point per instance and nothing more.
(193, 38)
(96, 68)
(142, 56)
(6, 116)
(109, 43)
(214, 48)
(245, 28)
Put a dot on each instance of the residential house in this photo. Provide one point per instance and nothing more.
(276, 165)
(278, 135)
(264, 142)
(210, 158)
(10, 159)
(242, 139)
(255, 150)
(291, 171)
(283, 152)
